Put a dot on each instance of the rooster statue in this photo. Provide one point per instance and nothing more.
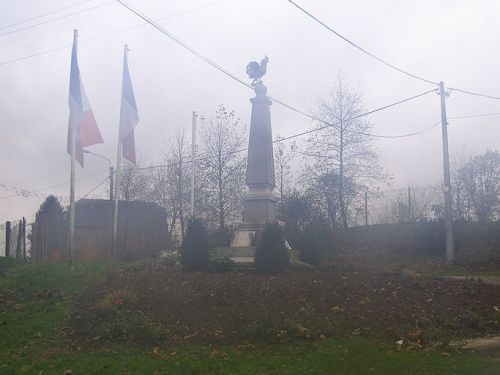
(256, 71)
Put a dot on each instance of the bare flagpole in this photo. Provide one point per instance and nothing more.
(72, 185)
(117, 179)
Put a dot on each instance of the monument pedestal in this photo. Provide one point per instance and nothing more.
(259, 204)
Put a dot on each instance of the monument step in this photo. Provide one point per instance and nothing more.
(236, 252)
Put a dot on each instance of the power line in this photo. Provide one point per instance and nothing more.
(95, 188)
(360, 48)
(381, 60)
(231, 75)
(56, 19)
(43, 15)
(328, 125)
(33, 192)
(182, 44)
(474, 116)
(473, 93)
(110, 33)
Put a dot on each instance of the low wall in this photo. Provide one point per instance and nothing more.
(474, 242)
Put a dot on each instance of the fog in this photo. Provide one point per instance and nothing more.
(451, 41)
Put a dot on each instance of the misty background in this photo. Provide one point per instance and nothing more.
(453, 41)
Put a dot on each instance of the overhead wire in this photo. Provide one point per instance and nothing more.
(474, 116)
(32, 192)
(328, 125)
(182, 43)
(95, 188)
(43, 15)
(381, 60)
(474, 93)
(82, 41)
(361, 48)
(56, 19)
(234, 77)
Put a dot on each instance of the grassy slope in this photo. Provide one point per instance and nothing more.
(31, 340)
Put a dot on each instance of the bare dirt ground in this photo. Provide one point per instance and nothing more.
(148, 302)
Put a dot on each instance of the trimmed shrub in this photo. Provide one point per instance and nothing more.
(271, 254)
(221, 237)
(312, 243)
(196, 247)
(219, 263)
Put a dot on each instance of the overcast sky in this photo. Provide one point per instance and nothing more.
(451, 40)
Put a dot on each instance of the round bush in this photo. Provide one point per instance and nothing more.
(271, 254)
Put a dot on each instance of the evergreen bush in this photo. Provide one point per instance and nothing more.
(312, 243)
(195, 247)
(271, 254)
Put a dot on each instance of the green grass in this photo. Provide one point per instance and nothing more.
(330, 356)
(32, 342)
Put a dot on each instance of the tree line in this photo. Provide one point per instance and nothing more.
(323, 182)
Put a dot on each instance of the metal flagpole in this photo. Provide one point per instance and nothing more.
(117, 179)
(72, 184)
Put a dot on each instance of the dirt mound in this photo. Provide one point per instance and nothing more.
(147, 303)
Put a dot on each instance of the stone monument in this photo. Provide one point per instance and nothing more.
(259, 204)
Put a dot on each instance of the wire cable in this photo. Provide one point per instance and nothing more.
(183, 44)
(234, 77)
(359, 47)
(43, 15)
(328, 125)
(56, 19)
(33, 192)
(474, 116)
(95, 188)
(66, 46)
(381, 60)
(474, 93)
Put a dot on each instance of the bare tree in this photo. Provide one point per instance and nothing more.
(414, 204)
(283, 156)
(177, 176)
(134, 182)
(223, 166)
(341, 156)
(479, 180)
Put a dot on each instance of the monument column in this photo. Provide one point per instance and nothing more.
(259, 204)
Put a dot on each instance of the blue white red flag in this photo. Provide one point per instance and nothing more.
(129, 116)
(81, 118)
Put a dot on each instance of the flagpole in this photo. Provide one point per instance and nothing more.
(72, 184)
(117, 179)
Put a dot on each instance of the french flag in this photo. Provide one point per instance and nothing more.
(129, 117)
(81, 118)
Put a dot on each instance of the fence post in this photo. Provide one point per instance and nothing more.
(7, 239)
(19, 240)
(24, 238)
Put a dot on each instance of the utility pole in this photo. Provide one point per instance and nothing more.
(450, 252)
(193, 160)
(111, 174)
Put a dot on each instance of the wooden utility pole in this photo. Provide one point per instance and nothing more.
(450, 251)
(8, 240)
(111, 174)
(193, 161)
